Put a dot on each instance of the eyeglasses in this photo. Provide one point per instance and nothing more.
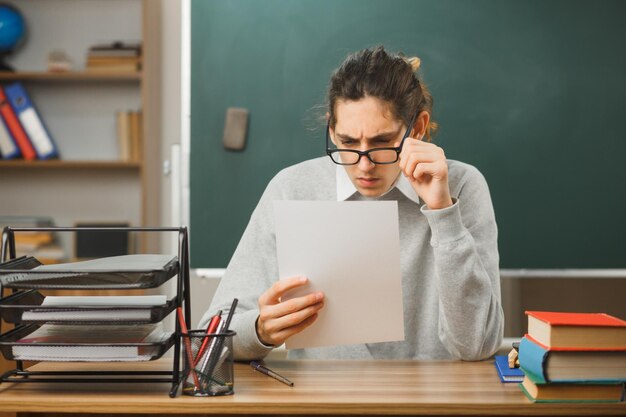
(381, 156)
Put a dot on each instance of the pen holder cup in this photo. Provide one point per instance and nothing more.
(211, 372)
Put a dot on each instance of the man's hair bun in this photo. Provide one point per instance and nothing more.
(414, 62)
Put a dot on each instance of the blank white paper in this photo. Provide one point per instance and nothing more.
(349, 250)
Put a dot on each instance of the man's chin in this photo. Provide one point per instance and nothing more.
(371, 192)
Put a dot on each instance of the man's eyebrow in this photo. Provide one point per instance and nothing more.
(384, 136)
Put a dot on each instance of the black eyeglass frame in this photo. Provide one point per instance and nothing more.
(366, 153)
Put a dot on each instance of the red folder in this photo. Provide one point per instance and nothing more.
(15, 127)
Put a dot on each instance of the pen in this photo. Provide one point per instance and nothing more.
(204, 366)
(212, 327)
(213, 355)
(258, 367)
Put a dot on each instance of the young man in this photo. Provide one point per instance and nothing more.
(379, 122)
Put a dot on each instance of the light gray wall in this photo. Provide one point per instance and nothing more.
(172, 127)
(82, 126)
(171, 85)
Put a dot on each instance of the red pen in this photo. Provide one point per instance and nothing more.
(183, 327)
(211, 328)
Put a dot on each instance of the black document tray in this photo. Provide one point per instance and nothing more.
(13, 307)
(54, 277)
(24, 274)
(147, 351)
(21, 263)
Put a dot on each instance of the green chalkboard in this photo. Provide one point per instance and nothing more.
(531, 92)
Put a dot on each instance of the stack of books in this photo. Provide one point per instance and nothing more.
(41, 244)
(114, 57)
(129, 135)
(22, 131)
(573, 357)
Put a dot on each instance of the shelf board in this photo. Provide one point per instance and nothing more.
(70, 76)
(61, 164)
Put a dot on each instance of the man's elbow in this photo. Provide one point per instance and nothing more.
(472, 348)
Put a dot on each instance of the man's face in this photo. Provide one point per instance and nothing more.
(362, 125)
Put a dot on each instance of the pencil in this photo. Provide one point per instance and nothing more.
(187, 343)
(266, 371)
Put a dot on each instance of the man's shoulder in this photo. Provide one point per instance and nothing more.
(462, 171)
(307, 171)
(321, 164)
(462, 175)
(311, 176)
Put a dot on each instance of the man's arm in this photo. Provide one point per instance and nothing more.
(464, 239)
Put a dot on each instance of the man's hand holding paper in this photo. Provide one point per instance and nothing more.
(350, 252)
(279, 320)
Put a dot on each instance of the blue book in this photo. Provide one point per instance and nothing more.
(507, 374)
(546, 365)
(31, 121)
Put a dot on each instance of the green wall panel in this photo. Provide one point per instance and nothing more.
(533, 93)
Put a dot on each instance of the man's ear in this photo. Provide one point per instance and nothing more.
(331, 131)
(419, 128)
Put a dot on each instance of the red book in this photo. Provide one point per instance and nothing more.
(577, 331)
(15, 127)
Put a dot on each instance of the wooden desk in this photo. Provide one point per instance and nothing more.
(341, 387)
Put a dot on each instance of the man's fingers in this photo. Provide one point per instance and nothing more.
(280, 337)
(290, 320)
(410, 161)
(275, 316)
(273, 294)
(294, 305)
(430, 169)
(411, 155)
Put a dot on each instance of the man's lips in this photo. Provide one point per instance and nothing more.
(367, 181)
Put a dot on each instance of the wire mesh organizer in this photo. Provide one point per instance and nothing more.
(66, 338)
(208, 363)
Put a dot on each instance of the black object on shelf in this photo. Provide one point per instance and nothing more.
(25, 275)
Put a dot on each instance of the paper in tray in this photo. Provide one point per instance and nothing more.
(116, 272)
(108, 346)
(28, 307)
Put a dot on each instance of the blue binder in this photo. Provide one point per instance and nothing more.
(31, 121)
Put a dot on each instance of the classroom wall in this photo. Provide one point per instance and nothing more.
(548, 292)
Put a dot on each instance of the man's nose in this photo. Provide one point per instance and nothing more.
(365, 164)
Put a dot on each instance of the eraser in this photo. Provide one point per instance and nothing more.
(235, 129)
